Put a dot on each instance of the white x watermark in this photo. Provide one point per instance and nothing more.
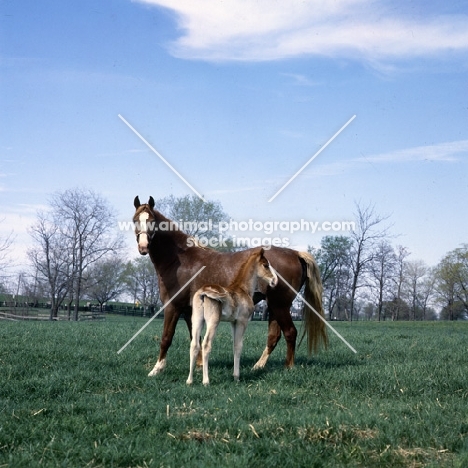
(160, 157)
(160, 310)
(312, 158)
(316, 313)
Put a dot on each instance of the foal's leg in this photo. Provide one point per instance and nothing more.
(212, 318)
(197, 326)
(238, 330)
(171, 316)
(188, 320)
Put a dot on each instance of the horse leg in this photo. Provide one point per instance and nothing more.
(188, 320)
(282, 322)
(238, 330)
(274, 335)
(290, 334)
(171, 316)
(197, 325)
(212, 320)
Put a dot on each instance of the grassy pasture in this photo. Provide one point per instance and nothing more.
(68, 399)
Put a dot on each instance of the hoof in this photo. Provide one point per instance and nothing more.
(158, 368)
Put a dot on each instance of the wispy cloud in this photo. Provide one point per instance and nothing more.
(264, 30)
(450, 151)
(301, 80)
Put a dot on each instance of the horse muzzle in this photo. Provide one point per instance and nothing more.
(143, 243)
(143, 249)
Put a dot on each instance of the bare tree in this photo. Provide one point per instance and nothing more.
(34, 287)
(78, 231)
(333, 258)
(49, 261)
(5, 247)
(142, 283)
(381, 270)
(367, 235)
(105, 280)
(400, 267)
(426, 294)
(87, 222)
(416, 270)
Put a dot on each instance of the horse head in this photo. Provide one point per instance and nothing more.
(265, 271)
(144, 223)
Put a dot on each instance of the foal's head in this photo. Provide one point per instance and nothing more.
(144, 224)
(264, 270)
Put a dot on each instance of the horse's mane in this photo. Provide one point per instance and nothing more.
(243, 270)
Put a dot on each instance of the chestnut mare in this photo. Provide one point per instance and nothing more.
(177, 258)
(213, 303)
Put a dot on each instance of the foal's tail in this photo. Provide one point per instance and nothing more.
(215, 292)
(314, 318)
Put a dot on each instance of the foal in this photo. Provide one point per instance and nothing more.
(214, 303)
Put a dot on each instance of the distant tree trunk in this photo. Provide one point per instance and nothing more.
(69, 308)
(53, 309)
(364, 238)
(450, 308)
(76, 309)
(380, 305)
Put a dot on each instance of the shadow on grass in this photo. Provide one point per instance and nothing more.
(274, 366)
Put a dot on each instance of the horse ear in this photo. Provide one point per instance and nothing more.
(151, 202)
(136, 202)
(262, 252)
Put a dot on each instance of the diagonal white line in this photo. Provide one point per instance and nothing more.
(312, 158)
(160, 310)
(319, 316)
(160, 156)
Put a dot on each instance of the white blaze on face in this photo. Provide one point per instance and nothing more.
(274, 280)
(143, 231)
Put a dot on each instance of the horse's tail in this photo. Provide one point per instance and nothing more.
(314, 318)
(215, 292)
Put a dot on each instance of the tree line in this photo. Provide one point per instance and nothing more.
(77, 253)
(365, 277)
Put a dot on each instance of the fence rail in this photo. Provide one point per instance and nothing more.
(11, 310)
(22, 314)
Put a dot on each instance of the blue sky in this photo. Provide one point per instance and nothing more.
(237, 96)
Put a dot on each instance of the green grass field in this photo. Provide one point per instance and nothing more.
(68, 399)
